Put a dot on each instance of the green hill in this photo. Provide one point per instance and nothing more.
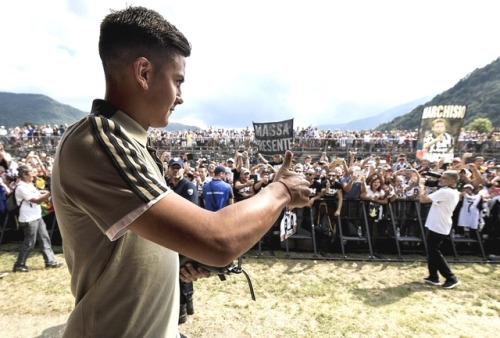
(479, 91)
(35, 109)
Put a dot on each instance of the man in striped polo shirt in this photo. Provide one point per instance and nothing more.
(122, 227)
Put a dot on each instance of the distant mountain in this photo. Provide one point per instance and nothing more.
(479, 91)
(375, 120)
(36, 109)
(172, 126)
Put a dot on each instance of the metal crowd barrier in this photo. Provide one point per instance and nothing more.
(206, 145)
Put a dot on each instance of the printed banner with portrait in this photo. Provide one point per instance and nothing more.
(439, 130)
(274, 137)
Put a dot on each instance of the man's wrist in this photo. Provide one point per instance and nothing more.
(287, 189)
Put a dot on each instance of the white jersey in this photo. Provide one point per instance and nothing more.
(470, 215)
(440, 149)
(288, 225)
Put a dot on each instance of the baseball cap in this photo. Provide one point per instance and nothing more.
(469, 186)
(230, 159)
(219, 169)
(176, 160)
(466, 171)
(244, 170)
(457, 159)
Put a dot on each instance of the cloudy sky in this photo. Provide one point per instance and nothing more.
(318, 62)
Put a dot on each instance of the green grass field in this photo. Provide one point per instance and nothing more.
(294, 298)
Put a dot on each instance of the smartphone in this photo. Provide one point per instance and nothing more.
(338, 162)
(253, 177)
(358, 174)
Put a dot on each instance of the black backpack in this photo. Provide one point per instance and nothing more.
(495, 211)
(11, 204)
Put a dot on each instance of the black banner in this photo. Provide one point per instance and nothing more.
(274, 137)
(439, 129)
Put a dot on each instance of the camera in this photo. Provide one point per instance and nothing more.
(431, 183)
(432, 178)
(432, 174)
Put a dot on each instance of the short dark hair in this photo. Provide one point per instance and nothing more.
(137, 31)
(23, 170)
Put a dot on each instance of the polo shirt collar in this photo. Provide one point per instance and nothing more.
(108, 110)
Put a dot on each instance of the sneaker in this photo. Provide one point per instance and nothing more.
(431, 281)
(190, 307)
(20, 268)
(182, 314)
(53, 265)
(451, 283)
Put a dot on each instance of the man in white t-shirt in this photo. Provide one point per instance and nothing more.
(438, 223)
(28, 197)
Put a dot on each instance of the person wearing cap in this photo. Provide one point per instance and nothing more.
(185, 188)
(479, 164)
(234, 167)
(334, 192)
(464, 178)
(456, 163)
(243, 186)
(276, 162)
(401, 163)
(217, 193)
(123, 228)
(263, 179)
(298, 168)
(469, 174)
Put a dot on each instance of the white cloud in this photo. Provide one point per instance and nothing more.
(316, 61)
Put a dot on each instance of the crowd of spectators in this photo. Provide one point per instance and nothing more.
(375, 180)
(46, 137)
(361, 174)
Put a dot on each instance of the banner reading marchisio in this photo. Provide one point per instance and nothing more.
(274, 137)
(439, 129)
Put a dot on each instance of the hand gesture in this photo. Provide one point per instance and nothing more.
(296, 184)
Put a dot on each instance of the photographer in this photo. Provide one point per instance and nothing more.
(438, 224)
(409, 189)
(353, 183)
(333, 191)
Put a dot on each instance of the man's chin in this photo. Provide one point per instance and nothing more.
(163, 124)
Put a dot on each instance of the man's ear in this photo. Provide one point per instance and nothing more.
(143, 71)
